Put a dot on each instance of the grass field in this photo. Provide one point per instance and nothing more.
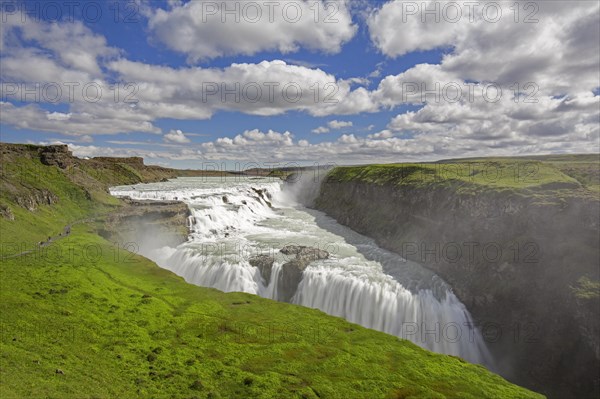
(577, 174)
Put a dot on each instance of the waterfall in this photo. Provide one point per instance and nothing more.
(234, 219)
(442, 326)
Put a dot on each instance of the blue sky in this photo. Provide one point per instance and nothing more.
(390, 65)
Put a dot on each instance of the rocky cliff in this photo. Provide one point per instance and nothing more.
(146, 225)
(20, 178)
(518, 256)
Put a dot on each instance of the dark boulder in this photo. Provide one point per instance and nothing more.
(291, 272)
(303, 252)
(264, 263)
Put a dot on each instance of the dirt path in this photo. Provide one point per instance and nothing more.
(65, 233)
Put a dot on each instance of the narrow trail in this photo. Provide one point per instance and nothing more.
(42, 244)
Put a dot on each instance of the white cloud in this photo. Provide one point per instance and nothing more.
(348, 148)
(560, 52)
(61, 63)
(546, 72)
(267, 88)
(58, 116)
(176, 136)
(560, 55)
(427, 140)
(72, 45)
(335, 124)
(507, 126)
(320, 130)
(87, 119)
(397, 28)
(332, 125)
(384, 134)
(205, 30)
(348, 139)
(258, 146)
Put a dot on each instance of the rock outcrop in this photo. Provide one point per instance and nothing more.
(146, 224)
(6, 212)
(136, 161)
(291, 272)
(36, 197)
(263, 195)
(20, 184)
(264, 263)
(58, 155)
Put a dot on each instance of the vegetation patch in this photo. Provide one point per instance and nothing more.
(551, 177)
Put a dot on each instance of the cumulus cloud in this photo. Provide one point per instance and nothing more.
(205, 30)
(332, 125)
(335, 124)
(428, 142)
(176, 136)
(275, 146)
(257, 138)
(72, 46)
(554, 44)
(61, 63)
(397, 28)
(320, 130)
(500, 85)
(266, 88)
(86, 120)
(348, 148)
(505, 125)
(384, 134)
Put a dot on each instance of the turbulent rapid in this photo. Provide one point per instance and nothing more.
(235, 218)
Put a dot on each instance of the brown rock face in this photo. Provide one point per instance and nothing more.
(291, 271)
(289, 278)
(36, 197)
(58, 155)
(138, 161)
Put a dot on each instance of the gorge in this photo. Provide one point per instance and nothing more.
(494, 241)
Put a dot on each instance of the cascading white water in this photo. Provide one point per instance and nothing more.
(235, 218)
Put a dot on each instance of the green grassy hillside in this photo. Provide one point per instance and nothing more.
(84, 318)
(551, 176)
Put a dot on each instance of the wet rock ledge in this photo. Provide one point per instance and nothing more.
(148, 223)
(291, 271)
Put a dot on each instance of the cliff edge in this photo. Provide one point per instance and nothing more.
(517, 239)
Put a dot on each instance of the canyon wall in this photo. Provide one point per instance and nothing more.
(523, 261)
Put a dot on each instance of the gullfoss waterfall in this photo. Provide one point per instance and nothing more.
(235, 219)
